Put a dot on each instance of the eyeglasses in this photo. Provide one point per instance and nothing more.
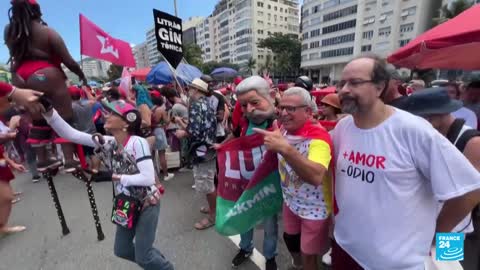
(290, 109)
(353, 83)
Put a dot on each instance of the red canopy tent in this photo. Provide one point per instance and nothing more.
(323, 92)
(141, 74)
(453, 44)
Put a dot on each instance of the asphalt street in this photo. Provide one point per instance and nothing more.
(43, 247)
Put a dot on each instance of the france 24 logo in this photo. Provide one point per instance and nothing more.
(449, 246)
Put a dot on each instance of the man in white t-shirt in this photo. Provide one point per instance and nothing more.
(392, 171)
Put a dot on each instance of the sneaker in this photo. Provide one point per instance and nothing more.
(71, 166)
(271, 264)
(49, 164)
(193, 186)
(241, 257)
(327, 258)
(168, 177)
(36, 178)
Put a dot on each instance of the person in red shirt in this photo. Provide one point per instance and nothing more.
(6, 192)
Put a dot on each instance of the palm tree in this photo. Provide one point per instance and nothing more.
(447, 11)
(250, 66)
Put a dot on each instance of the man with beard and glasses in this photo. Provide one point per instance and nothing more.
(259, 112)
(304, 154)
(393, 170)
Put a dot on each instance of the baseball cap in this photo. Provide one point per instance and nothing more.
(120, 108)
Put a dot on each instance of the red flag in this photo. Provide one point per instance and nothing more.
(98, 44)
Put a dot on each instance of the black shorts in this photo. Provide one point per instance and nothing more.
(215, 179)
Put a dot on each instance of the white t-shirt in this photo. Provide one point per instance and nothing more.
(468, 115)
(389, 181)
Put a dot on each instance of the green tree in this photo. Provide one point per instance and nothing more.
(287, 50)
(267, 66)
(193, 54)
(251, 65)
(447, 12)
(114, 72)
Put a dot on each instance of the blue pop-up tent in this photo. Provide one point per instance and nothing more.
(162, 74)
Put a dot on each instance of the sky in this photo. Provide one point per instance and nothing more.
(122, 19)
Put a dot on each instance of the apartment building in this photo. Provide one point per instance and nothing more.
(335, 31)
(154, 56)
(140, 52)
(235, 27)
(204, 39)
(189, 28)
(94, 68)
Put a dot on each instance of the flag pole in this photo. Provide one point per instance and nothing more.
(175, 6)
(174, 72)
(81, 49)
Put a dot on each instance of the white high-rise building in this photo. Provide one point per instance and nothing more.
(205, 38)
(154, 56)
(95, 68)
(141, 55)
(189, 28)
(334, 31)
(235, 27)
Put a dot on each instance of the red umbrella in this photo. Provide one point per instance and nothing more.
(141, 74)
(453, 44)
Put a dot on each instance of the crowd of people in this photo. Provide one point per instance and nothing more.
(368, 174)
(399, 170)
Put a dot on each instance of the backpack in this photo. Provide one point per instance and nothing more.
(452, 135)
(455, 129)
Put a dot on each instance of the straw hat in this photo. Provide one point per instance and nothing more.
(200, 85)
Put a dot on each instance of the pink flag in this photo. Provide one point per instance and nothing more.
(98, 44)
(125, 83)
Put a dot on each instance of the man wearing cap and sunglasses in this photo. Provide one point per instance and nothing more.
(435, 105)
(201, 133)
